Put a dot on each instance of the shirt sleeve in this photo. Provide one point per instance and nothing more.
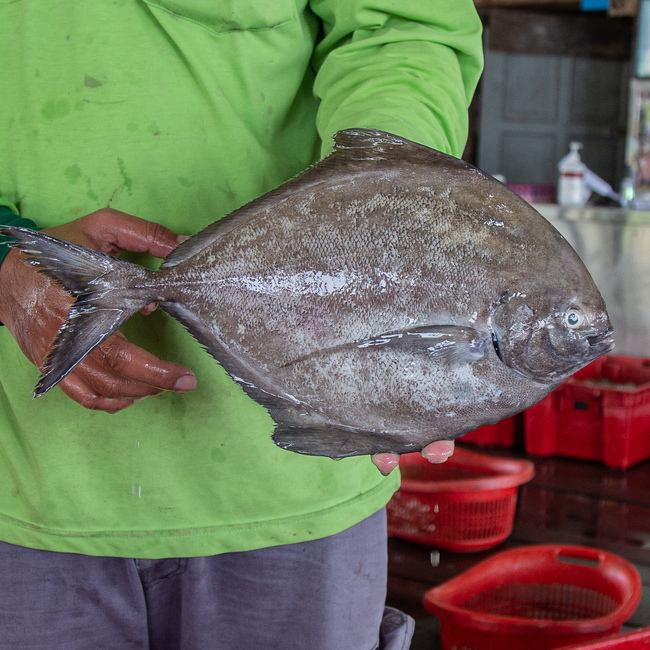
(409, 67)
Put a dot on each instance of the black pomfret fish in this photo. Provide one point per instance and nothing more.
(387, 297)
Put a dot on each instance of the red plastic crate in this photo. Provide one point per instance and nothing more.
(635, 640)
(600, 413)
(536, 597)
(465, 504)
(501, 434)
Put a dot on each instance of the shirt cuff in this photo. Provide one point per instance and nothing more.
(9, 218)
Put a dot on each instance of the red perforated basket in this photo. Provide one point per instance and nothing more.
(536, 597)
(465, 504)
(635, 640)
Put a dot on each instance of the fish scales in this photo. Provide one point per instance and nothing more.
(387, 297)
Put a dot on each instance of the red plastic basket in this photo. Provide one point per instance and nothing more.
(501, 434)
(536, 597)
(636, 640)
(601, 413)
(465, 504)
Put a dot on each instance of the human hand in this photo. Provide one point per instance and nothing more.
(436, 452)
(33, 307)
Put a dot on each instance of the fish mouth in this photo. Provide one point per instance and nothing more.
(601, 343)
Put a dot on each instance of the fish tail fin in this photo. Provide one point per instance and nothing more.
(98, 281)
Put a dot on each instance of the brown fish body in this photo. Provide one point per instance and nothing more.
(387, 297)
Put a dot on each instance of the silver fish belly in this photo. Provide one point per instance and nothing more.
(387, 297)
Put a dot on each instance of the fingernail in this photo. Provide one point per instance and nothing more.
(388, 468)
(385, 463)
(185, 384)
(439, 456)
(181, 238)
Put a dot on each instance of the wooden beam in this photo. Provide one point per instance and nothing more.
(616, 9)
(519, 31)
(523, 3)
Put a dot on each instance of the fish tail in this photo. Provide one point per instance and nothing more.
(107, 290)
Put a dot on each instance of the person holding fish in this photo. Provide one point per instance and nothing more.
(143, 503)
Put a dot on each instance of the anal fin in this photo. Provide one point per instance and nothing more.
(338, 442)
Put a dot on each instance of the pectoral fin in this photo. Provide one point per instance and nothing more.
(450, 344)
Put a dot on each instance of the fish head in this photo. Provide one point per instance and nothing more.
(547, 337)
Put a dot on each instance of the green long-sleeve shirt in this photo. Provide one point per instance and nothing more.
(179, 111)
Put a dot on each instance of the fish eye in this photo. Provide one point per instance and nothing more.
(574, 318)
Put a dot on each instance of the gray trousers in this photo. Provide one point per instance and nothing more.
(325, 594)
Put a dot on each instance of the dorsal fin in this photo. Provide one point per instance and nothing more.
(357, 146)
(368, 140)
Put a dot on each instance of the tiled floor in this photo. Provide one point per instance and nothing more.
(568, 501)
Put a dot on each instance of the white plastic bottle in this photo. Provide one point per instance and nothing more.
(571, 189)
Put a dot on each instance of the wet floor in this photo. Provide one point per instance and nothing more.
(568, 502)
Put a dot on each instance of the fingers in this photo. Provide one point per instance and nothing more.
(75, 388)
(149, 308)
(129, 233)
(117, 373)
(436, 452)
(111, 231)
(133, 363)
(439, 451)
(385, 463)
